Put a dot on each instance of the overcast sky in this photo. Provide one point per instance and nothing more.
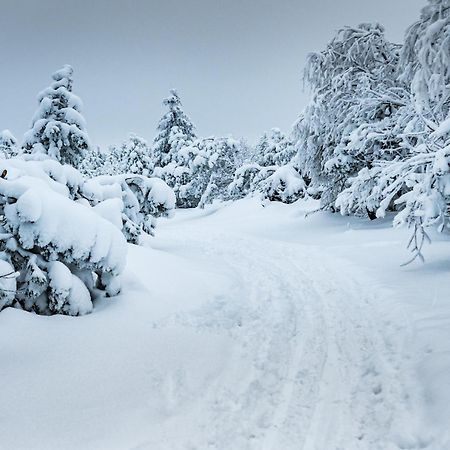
(237, 64)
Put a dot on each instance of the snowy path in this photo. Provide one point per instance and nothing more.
(310, 368)
(230, 334)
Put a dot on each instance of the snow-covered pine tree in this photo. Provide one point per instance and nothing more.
(223, 161)
(93, 163)
(8, 145)
(113, 161)
(58, 129)
(354, 83)
(135, 156)
(274, 148)
(175, 131)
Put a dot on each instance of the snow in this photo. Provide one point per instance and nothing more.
(243, 327)
(77, 233)
(442, 129)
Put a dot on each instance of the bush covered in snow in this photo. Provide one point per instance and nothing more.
(63, 237)
(57, 254)
(284, 185)
(131, 202)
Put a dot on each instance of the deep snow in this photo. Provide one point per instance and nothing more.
(243, 327)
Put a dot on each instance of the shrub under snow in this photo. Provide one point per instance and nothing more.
(284, 185)
(63, 252)
(132, 202)
(63, 238)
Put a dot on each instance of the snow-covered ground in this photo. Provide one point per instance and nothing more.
(243, 327)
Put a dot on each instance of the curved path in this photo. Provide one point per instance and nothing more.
(310, 368)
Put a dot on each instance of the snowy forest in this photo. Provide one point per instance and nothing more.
(371, 147)
(375, 138)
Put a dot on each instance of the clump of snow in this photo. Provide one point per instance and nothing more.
(139, 201)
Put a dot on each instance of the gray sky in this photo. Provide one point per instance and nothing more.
(237, 63)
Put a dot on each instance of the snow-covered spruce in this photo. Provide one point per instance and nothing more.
(131, 156)
(131, 202)
(58, 129)
(274, 148)
(8, 145)
(135, 154)
(223, 161)
(243, 183)
(175, 131)
(60, 253)
(94, 163)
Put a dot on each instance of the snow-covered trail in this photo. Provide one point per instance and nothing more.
(310, 367)
(239, 328)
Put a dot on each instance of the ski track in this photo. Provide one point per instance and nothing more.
(322, 374)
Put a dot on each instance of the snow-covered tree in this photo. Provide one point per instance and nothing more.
(274, 148)
(135, 156)
(271, 175)
(175, 131)
(63, 237)
(243, 183)
(94, 163)
(57, 255)
(132, 202)
(349, 122)
(58, 129)
(417, 183)
(203, 170)
(113, 161)
(223, 159)
(8, 145)
(284, 185)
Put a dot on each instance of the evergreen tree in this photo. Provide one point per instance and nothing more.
(274, 148)
(223, 164)
(94, 163)
(135, 156)
(8, 145)
(113, 161)
(58, 129)
(175, 131)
